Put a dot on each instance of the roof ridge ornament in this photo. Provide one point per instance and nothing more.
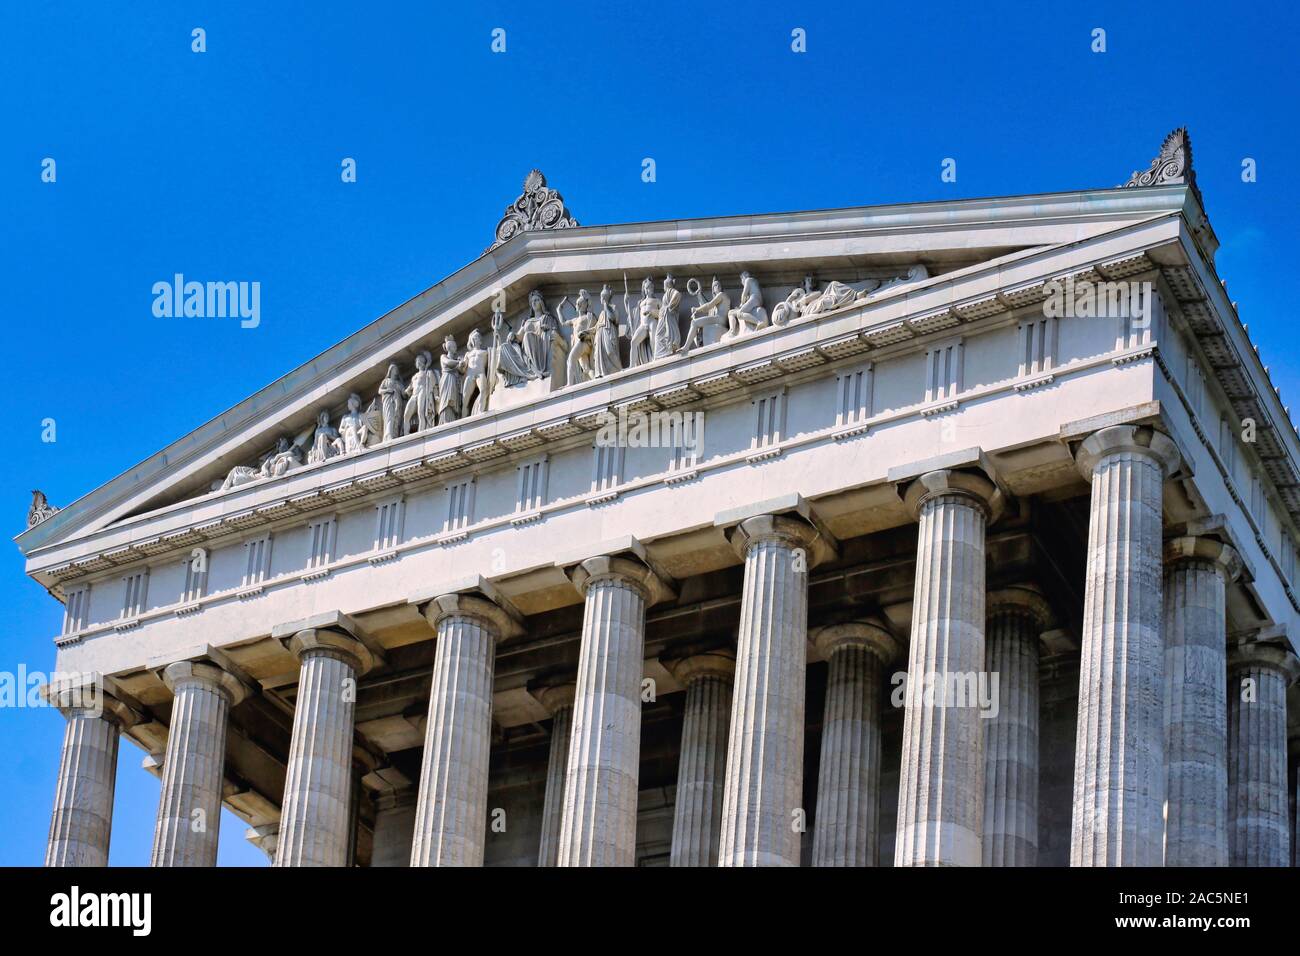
(537, 208)
(1172, 165)
(40, 509)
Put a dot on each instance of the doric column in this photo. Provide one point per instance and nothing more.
(697, 814)
(598, 827)
(315, 815)
(1119, 769)
(558, 699)
(451, 819)
(83, 798)
(848, 777)
(941, 783)
(394, 827)
(1258, 828)
(764, 784)
(1197, 571)
(189, 806)
(1017, 617)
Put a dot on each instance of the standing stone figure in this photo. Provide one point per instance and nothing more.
(667, 327)
(390, 400)
(535, 336)
(421, 394)
(707, 315)
(475, 390)
(749, 316)
(449, 377)
(578, 364)
(647, 310)
(605, 358)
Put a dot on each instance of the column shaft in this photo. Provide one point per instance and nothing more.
(189, 805)
(598, 826)
(697, 815)
(1196, 818)
(83, 798)
(941, 784)
(451, 822)
(548, 851)
(848, 778)
(1119, 773)
(762, 807)
(1259, 832)
(315, 815)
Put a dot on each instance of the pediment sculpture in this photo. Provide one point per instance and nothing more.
(534, 354)
(538, 207)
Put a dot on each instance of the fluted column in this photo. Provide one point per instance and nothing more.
(1197, 571)
(83, 797)
(598, 827)
(189, 806)
(1258, 828)
(1017, 617)
(394, 827)
(941, 782)
(558, 699)
(697, 814)
(451, 821)
(315, 814)
(764, 783)
(848, 777)
(1119, 770)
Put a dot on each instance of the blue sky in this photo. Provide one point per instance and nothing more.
(225, 165)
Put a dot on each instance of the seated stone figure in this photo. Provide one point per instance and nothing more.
(749, 315)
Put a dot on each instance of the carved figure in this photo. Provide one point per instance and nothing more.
(390, 402)
(474, 366)
(356, 428)
(421, 396)
(509, 361)
(605, 357)
(667, 327)
(583, 324)
(325, 443)
(647, 310)
(711, 314)
(749, 316)
(450, 365)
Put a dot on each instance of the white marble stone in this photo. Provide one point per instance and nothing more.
(189, 804)
(848, 776)
(318, 786)
(1119, 771)
(451, 822)
(558, 699)
(83, 799)
(1197, 571)
(1259, 832)
(941, 783)
(762, 810)
(1017, 616)
(702, 761)
(394, 828)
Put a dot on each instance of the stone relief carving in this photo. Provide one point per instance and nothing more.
(537, 207)
(536, 355)
(1173, 164)
(40, 509)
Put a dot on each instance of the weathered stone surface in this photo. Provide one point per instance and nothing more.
(189, 805)
(941, 786)
(1119, 780)
(1196, 573)
(394, 828)
(1016, 618)
(1259, 833)
(697, 815)
(315, 816)
(848, 777)
(558, 700)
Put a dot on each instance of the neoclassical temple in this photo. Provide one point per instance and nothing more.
(945, 533)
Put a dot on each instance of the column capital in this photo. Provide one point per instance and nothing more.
(972, 485)
(868, 635)
(719, 663)
(179, 673)
(556, 697)
(502, 621)
(787, 529)
(1023, 599)
(1273, 656)
(86, 694)
(332, 642)
(1132, 439)
(626, 570)
(1224, 557)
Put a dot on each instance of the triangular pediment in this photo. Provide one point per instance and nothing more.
(872, 252)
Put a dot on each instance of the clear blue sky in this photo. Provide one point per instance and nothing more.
(225, 166)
